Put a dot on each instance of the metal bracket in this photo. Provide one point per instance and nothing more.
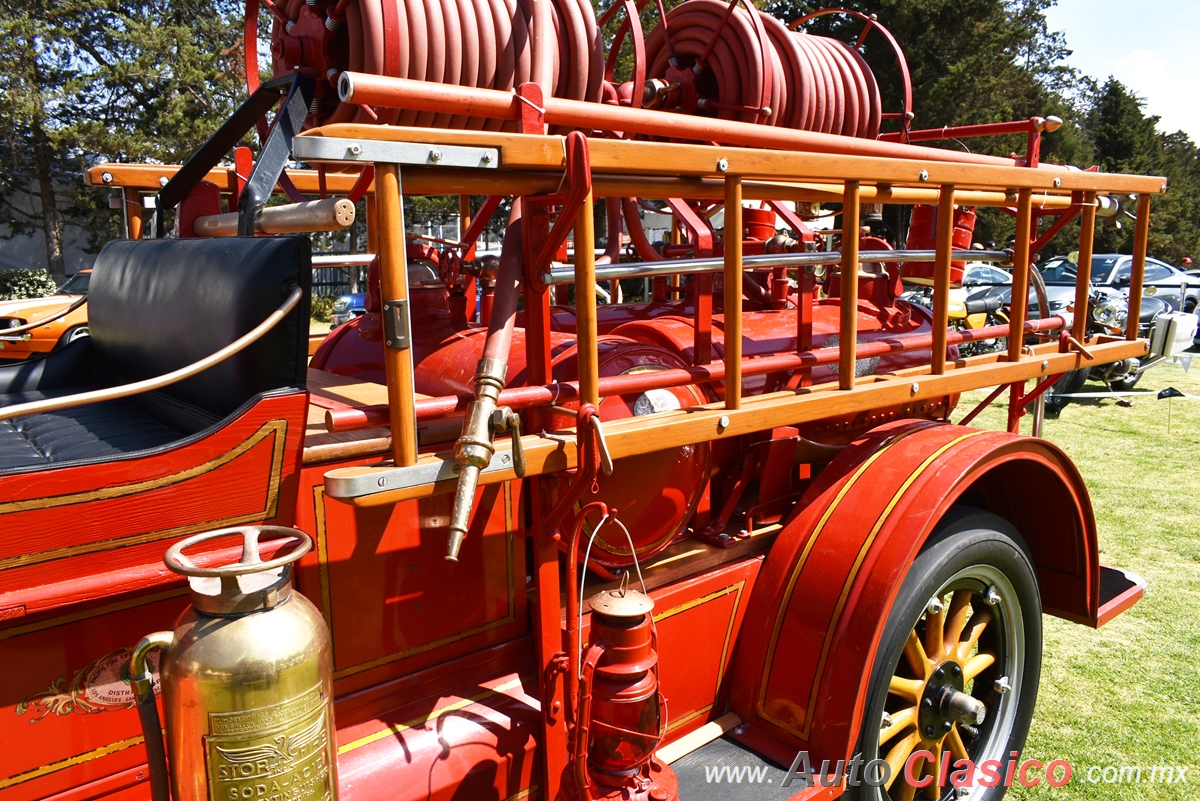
(371, 151)
(395, 324)
(360, 483)
(295, 91)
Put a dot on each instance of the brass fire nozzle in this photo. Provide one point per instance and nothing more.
(473, 450)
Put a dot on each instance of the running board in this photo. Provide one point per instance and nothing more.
(1119, 591)
(725, 770)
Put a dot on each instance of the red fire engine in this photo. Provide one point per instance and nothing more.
(543, 547)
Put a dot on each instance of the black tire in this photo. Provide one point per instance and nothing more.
(72, 334)
(1069, 384)
(969, 555)
(1125, 384)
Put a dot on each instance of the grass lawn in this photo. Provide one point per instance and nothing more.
(1128, 694)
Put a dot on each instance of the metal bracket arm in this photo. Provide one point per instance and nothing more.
(577, 180)
(316, 149)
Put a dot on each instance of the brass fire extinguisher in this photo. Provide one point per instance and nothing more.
(247, 683)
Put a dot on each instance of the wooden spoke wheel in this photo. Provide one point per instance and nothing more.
(957, 670)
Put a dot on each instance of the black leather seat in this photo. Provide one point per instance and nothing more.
(155, 306)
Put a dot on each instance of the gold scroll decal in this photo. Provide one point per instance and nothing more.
(279, 753)
(101, 685)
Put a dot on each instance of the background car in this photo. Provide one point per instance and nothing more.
(347, 307)
(1178, 289)
(52, 335)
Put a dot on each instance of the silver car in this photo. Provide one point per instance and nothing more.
(1169, 284)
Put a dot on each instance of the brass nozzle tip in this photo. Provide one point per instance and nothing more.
(456, 540)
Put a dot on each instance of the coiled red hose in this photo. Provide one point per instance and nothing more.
(753, 69)
(488, 44)
(728, 61)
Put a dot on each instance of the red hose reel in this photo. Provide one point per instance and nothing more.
(709, 57)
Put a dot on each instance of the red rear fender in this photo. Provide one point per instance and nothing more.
(818, 611)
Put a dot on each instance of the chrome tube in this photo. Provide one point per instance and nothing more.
(565, 274)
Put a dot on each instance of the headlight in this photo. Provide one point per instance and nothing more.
(1105, 314)
(9, 322)
(341, 304)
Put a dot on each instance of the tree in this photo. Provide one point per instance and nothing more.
(117, 80)
(28, 100)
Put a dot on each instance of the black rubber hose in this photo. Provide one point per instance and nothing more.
(156, 750)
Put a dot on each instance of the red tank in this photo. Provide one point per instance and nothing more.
(445, 355)
(767, 333)
(922, 235)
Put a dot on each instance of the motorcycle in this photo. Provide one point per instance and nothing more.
(977, 310)
(1108, 313)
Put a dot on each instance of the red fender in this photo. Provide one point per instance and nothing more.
(818, 611)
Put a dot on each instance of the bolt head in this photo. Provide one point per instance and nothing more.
(886, 721)
(162, 181)
(355, 150)
(937, 674)
(923, 175)
(956, 670)
(435, 155)
(723, 423)
(935, 606)
(930, 732)
(106, 177)
(722, 165)
(382, 481)
(915, 388)
(487, 158)
(927, 703)
(1058, 182)
(947, 726)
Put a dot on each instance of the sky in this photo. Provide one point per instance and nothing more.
(1151, 46)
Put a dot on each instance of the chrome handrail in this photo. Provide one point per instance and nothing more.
(20, 329)
(560, 274)
(149, 384)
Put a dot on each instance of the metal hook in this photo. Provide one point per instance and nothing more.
(606, 463)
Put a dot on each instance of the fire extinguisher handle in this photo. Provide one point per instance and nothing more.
(250, 562)
(141, 679)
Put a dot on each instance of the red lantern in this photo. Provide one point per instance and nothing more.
(622, 715)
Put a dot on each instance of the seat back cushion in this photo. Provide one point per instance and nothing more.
(157, 305)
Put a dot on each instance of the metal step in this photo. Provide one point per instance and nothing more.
(724, 770)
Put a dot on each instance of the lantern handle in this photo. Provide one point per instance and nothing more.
(624, 582)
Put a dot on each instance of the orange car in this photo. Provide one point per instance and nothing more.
(52, 335)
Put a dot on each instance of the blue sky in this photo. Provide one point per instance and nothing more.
(1151, 46)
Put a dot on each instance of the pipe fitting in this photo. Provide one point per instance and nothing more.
(141, 677)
